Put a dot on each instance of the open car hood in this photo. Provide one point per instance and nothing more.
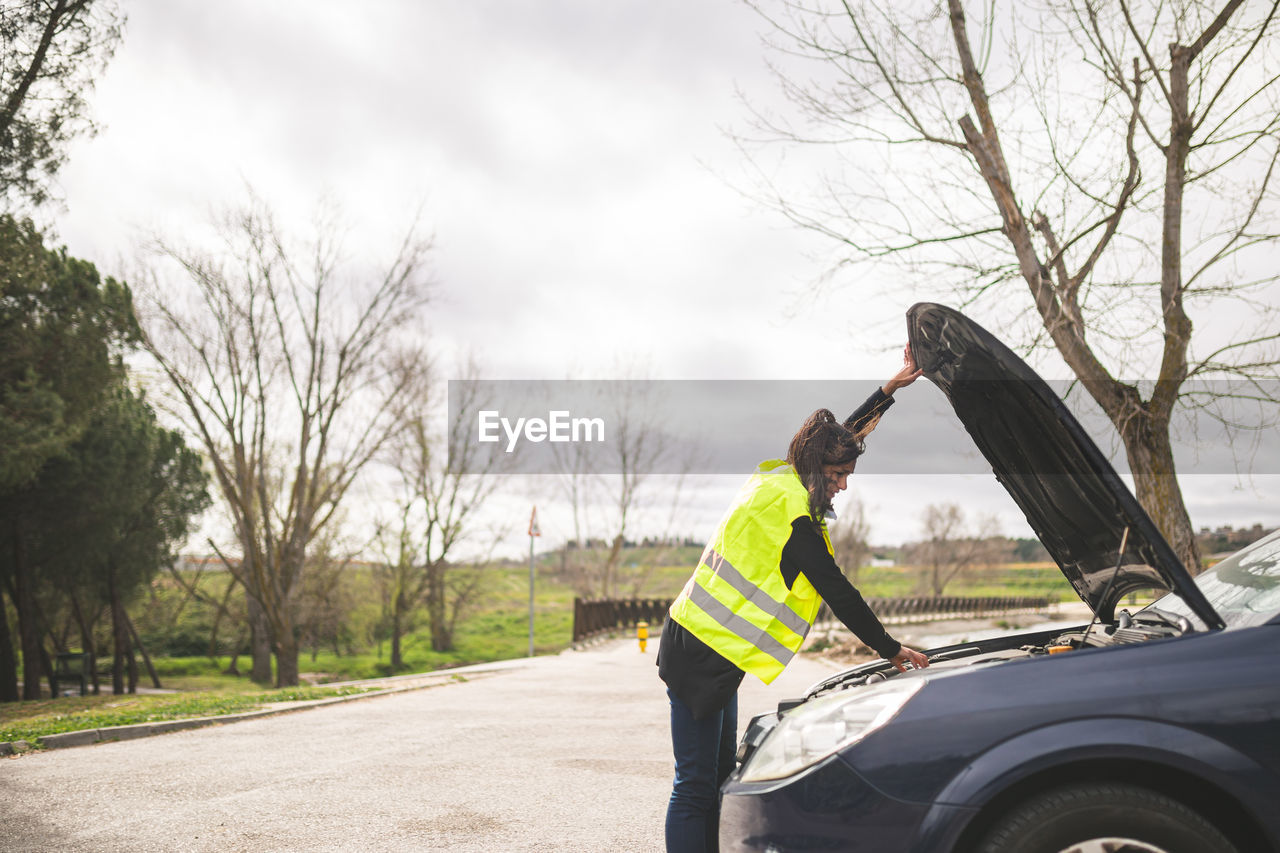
(1067, 489)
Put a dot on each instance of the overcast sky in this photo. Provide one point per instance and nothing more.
(570, 158)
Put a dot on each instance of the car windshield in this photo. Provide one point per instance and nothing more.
(1244, 588)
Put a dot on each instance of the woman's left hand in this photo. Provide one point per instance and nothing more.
(909, 373)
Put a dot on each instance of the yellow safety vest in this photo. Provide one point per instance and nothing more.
(737, 601)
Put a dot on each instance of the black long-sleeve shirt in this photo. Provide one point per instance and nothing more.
(704, 679)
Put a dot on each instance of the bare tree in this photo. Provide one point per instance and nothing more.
(325, 599)
(640, 447)
(950, 548)
(607, 491)
(849, 535)
(445, 482)
(188, 580)
(578, 483)
(282, 360)
(1116, 159)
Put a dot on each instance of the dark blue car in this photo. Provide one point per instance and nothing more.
(1151, 732)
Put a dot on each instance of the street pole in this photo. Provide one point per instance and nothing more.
(533, 531)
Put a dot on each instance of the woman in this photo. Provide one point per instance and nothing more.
(752, 600)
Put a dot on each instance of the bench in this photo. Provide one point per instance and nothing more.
(69, 669)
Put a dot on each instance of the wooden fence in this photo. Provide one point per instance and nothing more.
(596, 616)
(924, 608)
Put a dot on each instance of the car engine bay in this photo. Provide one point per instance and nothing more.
(1146, 625)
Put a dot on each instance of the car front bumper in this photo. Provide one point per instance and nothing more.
(829, 807)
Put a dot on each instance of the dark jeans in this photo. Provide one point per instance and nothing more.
(704, 759)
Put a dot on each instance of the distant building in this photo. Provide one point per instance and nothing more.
(196, 562)
(1226, 538)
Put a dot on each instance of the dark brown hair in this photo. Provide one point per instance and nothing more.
(821, 441)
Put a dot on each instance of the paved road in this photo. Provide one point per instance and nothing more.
(563, 753)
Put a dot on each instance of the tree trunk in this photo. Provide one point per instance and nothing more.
(146, 658)
(47, 665)
(131, 663)
(8, 662)
(610, 585)
(437, 610)
(119, 637)
(286, 659)
(222, 611)
(24, 603)
(397, 626)
(87, 645)
(1150, 456)
(284, 635)
(259, 640)
(233, 665)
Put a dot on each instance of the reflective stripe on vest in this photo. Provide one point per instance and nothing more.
(776, 609)
(737, 601)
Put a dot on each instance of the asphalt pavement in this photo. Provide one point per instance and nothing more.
(569, 752)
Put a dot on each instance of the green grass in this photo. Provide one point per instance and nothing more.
(495, 634)
(32, 720)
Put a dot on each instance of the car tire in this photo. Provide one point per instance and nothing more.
(1103, 818)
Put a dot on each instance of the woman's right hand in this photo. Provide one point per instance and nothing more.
(909, 659)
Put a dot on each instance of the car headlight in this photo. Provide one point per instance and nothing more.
(812, 731)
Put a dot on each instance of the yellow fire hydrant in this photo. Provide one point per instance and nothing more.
(642, 634)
